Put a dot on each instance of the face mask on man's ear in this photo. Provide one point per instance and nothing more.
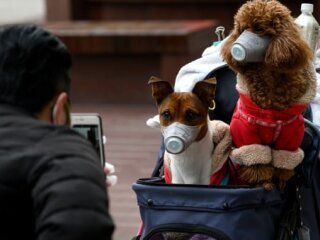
(53, 113)
(67, 115)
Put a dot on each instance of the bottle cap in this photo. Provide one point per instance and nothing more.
(307, 7)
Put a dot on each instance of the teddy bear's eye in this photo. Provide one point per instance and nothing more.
(257, 29)
(166, 115)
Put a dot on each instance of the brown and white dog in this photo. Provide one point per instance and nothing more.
(196, 148)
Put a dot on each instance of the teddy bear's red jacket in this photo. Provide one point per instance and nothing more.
(253, 125)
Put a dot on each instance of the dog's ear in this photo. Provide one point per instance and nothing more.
(160, 89)
(288, 50)
(205, 90)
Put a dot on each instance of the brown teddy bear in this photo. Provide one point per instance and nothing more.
(276, 81)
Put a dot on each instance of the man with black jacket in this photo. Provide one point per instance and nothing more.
(52, 186)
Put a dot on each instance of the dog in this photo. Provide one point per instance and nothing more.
(197, 149)
(267, 126)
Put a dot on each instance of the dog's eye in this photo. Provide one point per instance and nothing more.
(190, 115)
(166, 115)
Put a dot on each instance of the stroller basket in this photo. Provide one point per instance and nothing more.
(218, 212)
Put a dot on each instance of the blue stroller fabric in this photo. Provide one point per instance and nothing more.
(222, 212)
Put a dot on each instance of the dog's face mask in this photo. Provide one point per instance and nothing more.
(178, 136)
(183, 115)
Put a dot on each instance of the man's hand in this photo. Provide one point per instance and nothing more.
(111, 179)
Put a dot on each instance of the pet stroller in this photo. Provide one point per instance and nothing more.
(194, 212)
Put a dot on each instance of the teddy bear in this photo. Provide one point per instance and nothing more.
(276, 81)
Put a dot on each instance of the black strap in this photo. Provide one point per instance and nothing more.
(226, 95)
(291, 224)
(158, 170)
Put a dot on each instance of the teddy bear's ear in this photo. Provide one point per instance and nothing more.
(205, 90)
(160, 89)
(288, 51)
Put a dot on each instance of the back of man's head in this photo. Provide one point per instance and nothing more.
(34, 66)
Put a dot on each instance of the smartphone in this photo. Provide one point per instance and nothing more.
(90, 126)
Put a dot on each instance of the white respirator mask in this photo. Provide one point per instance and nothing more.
(178, 137)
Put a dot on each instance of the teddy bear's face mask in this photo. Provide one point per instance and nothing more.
(249, 47)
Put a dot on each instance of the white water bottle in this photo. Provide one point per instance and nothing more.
(308, 25)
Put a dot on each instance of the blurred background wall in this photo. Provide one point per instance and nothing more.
(118, 44)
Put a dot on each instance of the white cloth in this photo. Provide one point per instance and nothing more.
(198, 69)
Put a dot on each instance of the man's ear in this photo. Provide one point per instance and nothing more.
(160, 89)
(59, 113)
(205, 90)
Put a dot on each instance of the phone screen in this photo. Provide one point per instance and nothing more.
(90, 128)
(91, 133)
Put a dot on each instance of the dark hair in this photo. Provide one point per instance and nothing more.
(34, 66)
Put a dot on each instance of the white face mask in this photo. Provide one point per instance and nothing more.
(67, 116)
(178, 137)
